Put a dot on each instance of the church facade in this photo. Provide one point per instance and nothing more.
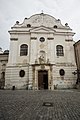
(41, 54)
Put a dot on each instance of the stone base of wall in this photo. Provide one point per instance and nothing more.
(64, 86)
(78, 86)
(13, 78)
(54, 87)
(30, 80)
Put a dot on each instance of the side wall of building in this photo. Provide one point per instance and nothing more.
(3, 64)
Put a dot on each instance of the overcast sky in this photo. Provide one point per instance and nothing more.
(68, 11)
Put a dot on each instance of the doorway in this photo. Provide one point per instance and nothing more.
(42, 79)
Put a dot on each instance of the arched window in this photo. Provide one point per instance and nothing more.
(59, 50)
(23, 50)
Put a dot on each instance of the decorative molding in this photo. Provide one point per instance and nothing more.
(33, 38)
(36, 62)
(18, 65)
(68, 40)
(62, 33)
(33, 68)
(50, 38)
(65, 64)
(19, 31)
(14, 39)
(51, 68)
(42, 67)
(48, 61)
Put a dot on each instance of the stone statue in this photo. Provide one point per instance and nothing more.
(42, 59)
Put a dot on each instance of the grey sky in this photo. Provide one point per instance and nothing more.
(12, 10)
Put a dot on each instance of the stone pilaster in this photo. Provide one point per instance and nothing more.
(30, 84)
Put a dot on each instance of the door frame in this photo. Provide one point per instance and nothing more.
(43, 78)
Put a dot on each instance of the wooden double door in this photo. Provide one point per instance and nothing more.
(42, 79)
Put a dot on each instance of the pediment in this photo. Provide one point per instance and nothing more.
(42, 29)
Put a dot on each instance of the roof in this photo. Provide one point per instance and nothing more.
(37, 20)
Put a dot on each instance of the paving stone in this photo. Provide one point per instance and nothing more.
(28, 105)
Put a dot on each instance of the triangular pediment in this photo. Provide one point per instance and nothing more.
(42, 29)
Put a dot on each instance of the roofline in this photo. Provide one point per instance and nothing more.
(77, 42)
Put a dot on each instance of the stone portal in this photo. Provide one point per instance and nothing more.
(42, 79)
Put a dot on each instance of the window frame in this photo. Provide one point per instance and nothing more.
(62, 72)
(42, 39)
(59, 50)
(23, 50)
(21, 73)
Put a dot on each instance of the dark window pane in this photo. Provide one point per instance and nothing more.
(61, 72)
(23, 50)
(59, 50)
(28, 25)
(22, 73)
(42, 39)
(55, 26)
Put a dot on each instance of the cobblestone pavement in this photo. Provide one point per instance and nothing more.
(28, 105)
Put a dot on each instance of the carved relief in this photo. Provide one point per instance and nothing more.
(48, 61)
(42, 46)
(36, 62)
(42, 57)
(37, 20)
(42, 67)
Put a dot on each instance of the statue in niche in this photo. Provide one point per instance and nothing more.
(42, 57)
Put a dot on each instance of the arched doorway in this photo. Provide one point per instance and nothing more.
(42, 79)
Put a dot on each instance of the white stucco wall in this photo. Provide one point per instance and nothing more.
(42, 25)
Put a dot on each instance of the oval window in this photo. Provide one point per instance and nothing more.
(62, 72)
(28, 25)
(22, 73)
(42, 39)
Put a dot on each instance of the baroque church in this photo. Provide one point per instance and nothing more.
(41, 54)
